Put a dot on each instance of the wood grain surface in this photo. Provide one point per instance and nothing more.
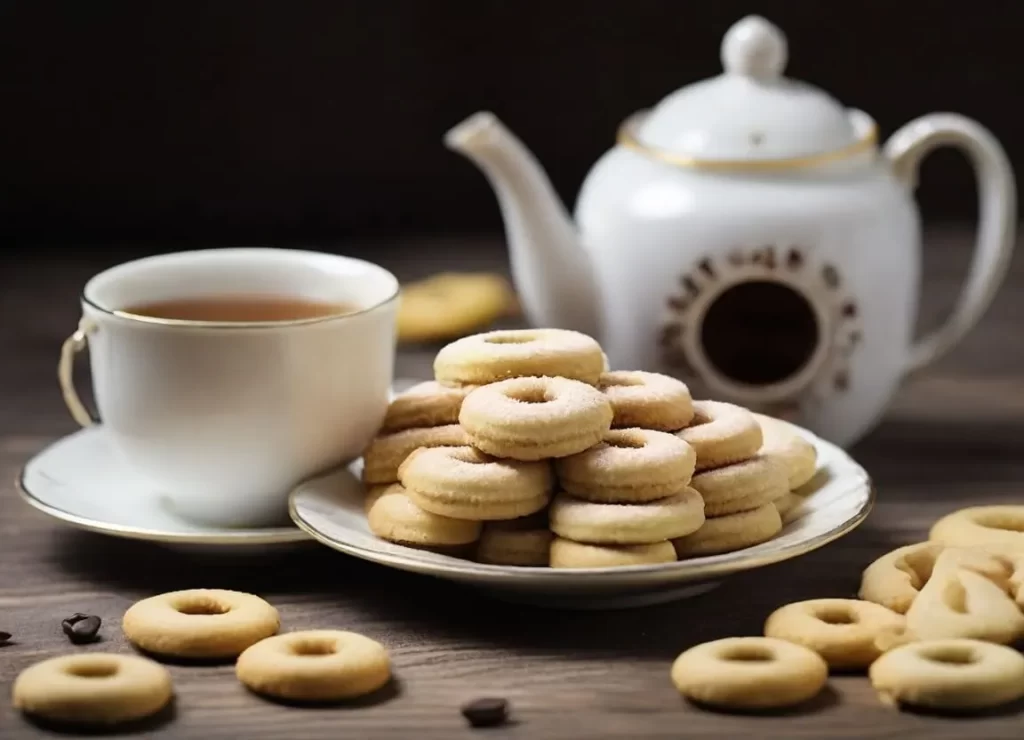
(954, 436)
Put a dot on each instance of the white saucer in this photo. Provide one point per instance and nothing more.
(80, 481)
(330, 509)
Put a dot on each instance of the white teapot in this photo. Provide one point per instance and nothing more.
(749, 237)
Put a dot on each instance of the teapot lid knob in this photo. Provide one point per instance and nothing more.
(755, 48)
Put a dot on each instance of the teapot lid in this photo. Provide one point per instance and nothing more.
(751, 113)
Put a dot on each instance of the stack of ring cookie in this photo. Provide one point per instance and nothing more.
(739, 483)
(466, 458)
(624, 500)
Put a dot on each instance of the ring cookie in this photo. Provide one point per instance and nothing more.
(628, 466)
(535, 418)
(722, 433)
(316, 665)
(627, 524)
(568, 554)
(499, 355)
(451, 304)
(1000, 527)
(961, 675)
(741, 486)
(199, 623)
(783, 442)
(464, 483)
(428, 404)
(647, 400)
(749, 673)
(394, 517)
(387, 452)
(93, 689)
(525, 541)
(731, 533)
(842, 631)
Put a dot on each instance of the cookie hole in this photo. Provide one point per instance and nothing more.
(955, 596)
(950, 655)
(625, 441)
(94, 669)
(530, 395)
(309, 648)
(749, 654)
(202, 607)
(509, 339)
(837, 615)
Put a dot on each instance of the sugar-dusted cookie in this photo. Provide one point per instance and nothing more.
(741, 486)
(627, 524)
(516, 353)
(387, 452)
(394, 517)
(535, 418)
(427, 404)
(730, 533)
(647, 400)
(628, 466)
(722, 433)
(464, 483)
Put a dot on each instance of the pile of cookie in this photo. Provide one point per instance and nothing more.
(526, 450)
(206, 625)
(932, 628)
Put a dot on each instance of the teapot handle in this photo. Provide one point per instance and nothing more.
(997, 208)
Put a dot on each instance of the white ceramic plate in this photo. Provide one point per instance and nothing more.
(330, 509)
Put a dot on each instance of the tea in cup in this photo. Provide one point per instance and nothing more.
(227, 376)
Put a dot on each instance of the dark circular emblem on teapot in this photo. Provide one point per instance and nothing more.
(766, 327)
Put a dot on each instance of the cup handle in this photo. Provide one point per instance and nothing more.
(997, 208)
(66, 372)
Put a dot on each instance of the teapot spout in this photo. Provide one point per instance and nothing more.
(552, 272)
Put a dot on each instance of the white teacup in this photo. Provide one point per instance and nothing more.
(227, 416)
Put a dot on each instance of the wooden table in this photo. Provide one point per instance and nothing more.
(954, 436)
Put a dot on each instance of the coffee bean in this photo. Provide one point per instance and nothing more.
(81, 628)
(5, 636)
(487, 712)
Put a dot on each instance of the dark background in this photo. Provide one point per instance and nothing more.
(140, 123)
